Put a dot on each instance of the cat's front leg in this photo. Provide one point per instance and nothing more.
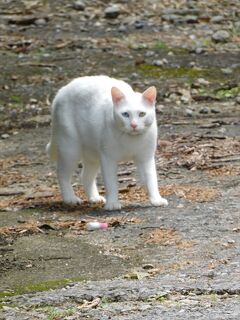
(147, 170)
(109, 172)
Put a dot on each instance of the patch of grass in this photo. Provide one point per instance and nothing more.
(213, 298)
(227, 93)
(160, 297)
(160, 45)
(220, 93)
(16, 100)
(56, 314)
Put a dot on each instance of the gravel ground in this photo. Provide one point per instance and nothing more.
(179, 262)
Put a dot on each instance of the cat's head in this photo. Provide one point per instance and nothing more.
(134, 113)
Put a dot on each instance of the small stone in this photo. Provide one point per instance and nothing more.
(79, 5)
(191, 19)
(122, 28)
(149, 54)
(210, 274)
(148, 266)
(222, 130)
(204, 110)
(189, 112)
(160, 108)
(174, 18)
(215, 111)
(221, 36)
(237, 25)
(238, 99)
(202, 81)
(157, 63)
(227, 71)
(217, 19)
(180, 206)
(40, 22)
(199, 50)
(139, 24)
(173, 97)
(5, 136)
(112, 12)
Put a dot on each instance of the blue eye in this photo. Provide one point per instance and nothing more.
(125, 114)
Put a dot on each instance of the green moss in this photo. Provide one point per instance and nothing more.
(227, 93)
(186, 73)
(16, 99)
(214, 75)
(160, 297)
(39, 287)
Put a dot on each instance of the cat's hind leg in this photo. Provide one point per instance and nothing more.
(68, 157)
(89, 174)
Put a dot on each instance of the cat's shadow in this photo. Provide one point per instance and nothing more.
(84, 209)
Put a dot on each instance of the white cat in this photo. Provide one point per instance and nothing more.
(100, 121)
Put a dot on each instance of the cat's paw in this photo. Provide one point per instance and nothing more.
(97, 199)
(159, 202)
(112, 206)
(74, 200)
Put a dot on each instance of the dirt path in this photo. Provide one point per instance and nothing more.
(176, 262)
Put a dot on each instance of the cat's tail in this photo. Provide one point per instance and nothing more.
(51, 149)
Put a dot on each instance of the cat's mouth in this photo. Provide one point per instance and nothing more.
(135, 132)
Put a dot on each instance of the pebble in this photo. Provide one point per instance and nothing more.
(160, 108)
(174, 18)
(139, 24)
(40, 22)
(112, 12)
(79, 5)
(149, 54)
(148, 266)
(5, 136)
(189, 112)
(203, 81)
(210, 274)
(204, 110)
(214, 111)
(217, 19)
(221, 36)
(227, 71)
(160, 63)
(122, 28)
(191, 19)
(238, 99)
(199, 50)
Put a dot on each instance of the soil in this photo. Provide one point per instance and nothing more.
(178, 262)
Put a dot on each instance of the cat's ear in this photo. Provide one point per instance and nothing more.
(117, 95)
(150, 95)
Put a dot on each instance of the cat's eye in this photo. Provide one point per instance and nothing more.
(142, 114)
(125, 114)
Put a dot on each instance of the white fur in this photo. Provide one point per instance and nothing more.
(88, 126)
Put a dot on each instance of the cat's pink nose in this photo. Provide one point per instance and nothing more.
(134, 125)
